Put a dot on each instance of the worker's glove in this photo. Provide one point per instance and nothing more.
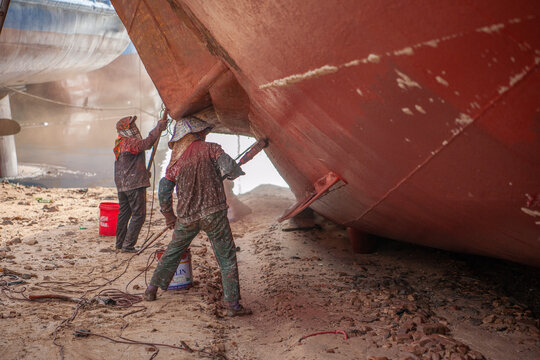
(235, 173)
(170, 219)
(229, 168)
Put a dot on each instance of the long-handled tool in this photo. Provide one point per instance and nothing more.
(154, 149)
(251, 152)
(144, 247)
(55, 297)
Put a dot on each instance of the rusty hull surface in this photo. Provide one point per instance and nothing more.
(428, 111)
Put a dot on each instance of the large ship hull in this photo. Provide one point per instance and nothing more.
(122, 84)
(47, 40)
(417, 121)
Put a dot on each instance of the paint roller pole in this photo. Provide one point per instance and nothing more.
(154, 149)
(144, 247)
(254, 150)
(250, 153)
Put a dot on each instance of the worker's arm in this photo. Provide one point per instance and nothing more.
(229, 168)
(165, 193)
(135, 146)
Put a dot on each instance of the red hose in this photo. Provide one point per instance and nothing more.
(326, 332)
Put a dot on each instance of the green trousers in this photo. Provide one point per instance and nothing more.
(219, 232)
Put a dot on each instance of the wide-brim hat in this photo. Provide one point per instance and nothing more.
(188, 125)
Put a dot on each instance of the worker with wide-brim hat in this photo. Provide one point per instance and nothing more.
(196, 169)
(132, 179)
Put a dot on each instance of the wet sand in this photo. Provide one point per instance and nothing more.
(401, 302)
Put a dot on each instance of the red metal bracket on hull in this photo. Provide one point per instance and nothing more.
(321, 186)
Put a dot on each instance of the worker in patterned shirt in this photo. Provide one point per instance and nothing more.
(132, 179)
(196, 170)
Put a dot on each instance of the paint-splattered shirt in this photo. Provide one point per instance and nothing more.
(130, 169)
(198, 178)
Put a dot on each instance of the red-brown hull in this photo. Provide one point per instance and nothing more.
(429, 111)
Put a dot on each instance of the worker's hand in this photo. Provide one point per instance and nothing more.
(170, 219)
(162, 124)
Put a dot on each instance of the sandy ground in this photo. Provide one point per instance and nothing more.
(402, 302)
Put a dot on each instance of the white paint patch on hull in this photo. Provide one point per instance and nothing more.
(530, 212)
(323, 70)
(405, 81)
(495, 28)
(407, 111)
(464, 120)
(440, 80)
(406, 51)
(375, 58)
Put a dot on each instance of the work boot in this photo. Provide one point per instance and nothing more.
(129, 250)
(235, 309)
(150, 293)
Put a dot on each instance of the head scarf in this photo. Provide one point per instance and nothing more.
(126, 128)
(179, 147)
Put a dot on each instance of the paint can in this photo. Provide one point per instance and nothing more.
(182, 278)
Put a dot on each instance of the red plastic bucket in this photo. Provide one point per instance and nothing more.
(108, 216)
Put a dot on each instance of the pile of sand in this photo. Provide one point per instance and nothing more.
(402, 302)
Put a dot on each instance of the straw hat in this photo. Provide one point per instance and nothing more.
(187, 125)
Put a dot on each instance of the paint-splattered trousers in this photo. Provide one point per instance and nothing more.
(217, 228)
(132, 205)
